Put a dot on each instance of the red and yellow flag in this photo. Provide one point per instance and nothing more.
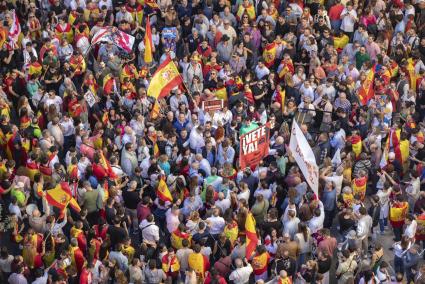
(282, 95)
(61, 197)
(259, 263)
(398, 212)
(73, 172)
(32, 169)
(107, 166)
(163, 192)
(251, 235)
(177, 237)
(129, 71)
(148, 42)
(221, 93)
(155, 111)
(269, 54)
(199, 263)
(108, 84)
(359, 187)
(285, 68)
(249, 10)
(410, 72)
(136, 13)
(356, 143)
(365, 92)
(166, 77)
(35, 68)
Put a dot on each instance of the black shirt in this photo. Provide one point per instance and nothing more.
(131, 199)
(116, 234)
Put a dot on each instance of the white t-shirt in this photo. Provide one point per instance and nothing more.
(216, 224)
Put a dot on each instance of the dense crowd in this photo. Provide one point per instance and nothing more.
(102, 183)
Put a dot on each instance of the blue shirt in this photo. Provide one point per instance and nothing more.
(180, 126)
(329, 199)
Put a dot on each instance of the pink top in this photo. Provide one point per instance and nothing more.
(368, 20)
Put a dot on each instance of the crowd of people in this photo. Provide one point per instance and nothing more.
(102, 183)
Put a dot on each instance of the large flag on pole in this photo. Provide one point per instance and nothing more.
(251, 236)
(304, 156)
(166, 77)
(117, 37)
(148, 42)
(163, 192)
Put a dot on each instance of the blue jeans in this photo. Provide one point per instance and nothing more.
(398, 265)
(336, 24)
(382, 224)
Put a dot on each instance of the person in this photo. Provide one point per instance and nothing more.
(132, 142)
(242, 272)
(364, 226)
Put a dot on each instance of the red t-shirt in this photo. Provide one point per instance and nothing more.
(335, 12)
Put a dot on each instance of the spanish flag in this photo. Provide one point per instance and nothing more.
(231, 231)
(359, 187)
(107, 166)
(73, 172)
(10, 140)
(81, 238)
(136, 13)
(166, 77)
(25, 122)
(108, 84)
(61, 197)
(259, 263)
(280, 98)
(46, 171)
(398, 212)
(393, 68)
(151, 4)
(356, 143)
(402, 151)
(269, 54)
(72, 17)
(129, 71)
(177, 237)
(78, 63)
(35, 68)
(64, 33)
(199, 263)
(221, 93)
(285, 68)
(365, 92)
(251, 235)
(148, 42)
(249, 10)
(285, 280)
(410, 72)
(32, 169)
(155, 111)
(172, 266)
(163, 192)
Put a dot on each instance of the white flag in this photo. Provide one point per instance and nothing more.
(336, 160)
(304, 156)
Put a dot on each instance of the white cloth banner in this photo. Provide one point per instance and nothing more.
(304, 156)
